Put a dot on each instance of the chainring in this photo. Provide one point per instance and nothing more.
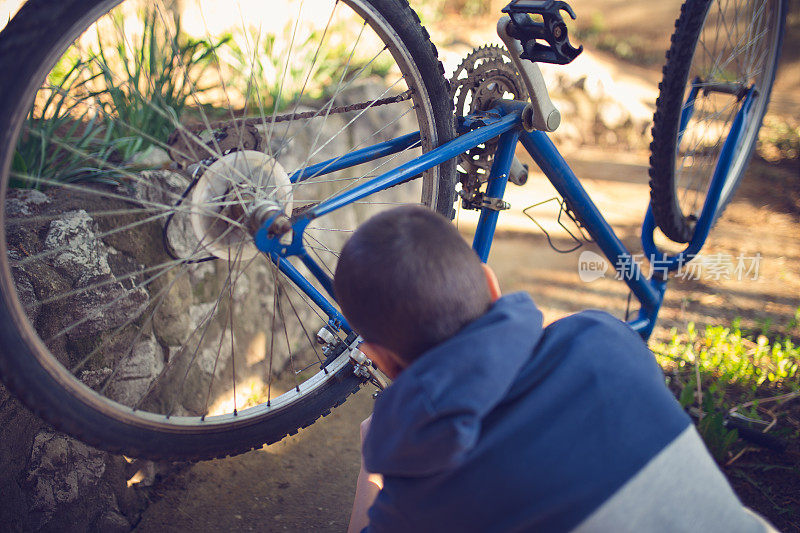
(487, 74)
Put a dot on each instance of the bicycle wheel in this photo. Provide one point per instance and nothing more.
(718, 51)
(136, 313)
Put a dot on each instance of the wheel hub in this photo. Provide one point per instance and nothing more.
(226, 196)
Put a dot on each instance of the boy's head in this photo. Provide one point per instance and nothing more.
(407, 281)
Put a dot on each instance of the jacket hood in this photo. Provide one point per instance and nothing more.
(429, 419)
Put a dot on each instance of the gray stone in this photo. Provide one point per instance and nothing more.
(24, 202)
(94, 378)
(26, 294)
(76, 248)
(159, 188)
(113, 522)
(171, 322)
(60, 470)
(137, 371)
(102, 303)
(103, 307)
(153, 157)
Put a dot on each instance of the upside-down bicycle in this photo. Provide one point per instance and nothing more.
(182, 307)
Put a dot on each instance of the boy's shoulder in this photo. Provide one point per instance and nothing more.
(594, 321)
(595, 346)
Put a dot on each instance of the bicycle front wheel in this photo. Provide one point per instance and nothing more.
(136, 313)
(719, 51)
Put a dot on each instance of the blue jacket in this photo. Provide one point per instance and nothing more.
(511, 427)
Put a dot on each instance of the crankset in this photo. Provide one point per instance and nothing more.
(486, 75)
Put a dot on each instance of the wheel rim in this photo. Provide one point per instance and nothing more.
(91, 246)
(738, 44)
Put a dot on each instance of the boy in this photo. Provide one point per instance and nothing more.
(493, 423)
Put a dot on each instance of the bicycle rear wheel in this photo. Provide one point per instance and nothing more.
(136, 314)
(718, 51)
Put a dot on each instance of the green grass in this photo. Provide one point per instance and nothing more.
(721, 368)
(268, 77)
(62, 139)
(148, 83)
(103, 104)
(779, 139)
(99, 108)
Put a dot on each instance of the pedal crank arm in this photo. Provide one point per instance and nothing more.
(545, 116)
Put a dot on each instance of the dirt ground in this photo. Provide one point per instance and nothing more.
(305, 483)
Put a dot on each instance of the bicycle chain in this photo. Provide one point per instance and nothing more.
(241, 134)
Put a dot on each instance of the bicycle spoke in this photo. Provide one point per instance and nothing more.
(163, 311)
(159, 296)
(329, 106)
(200, 341)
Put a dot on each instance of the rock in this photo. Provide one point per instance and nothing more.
(26, 294)
(95, 378)
(200, 313)
(24, 202)
(181, 237)
(60, 471)
(159, 187)
(172, 322)
(103, 307)
(17, 431)
(215, 356)
(77, 251)
(153, 157)
(75, 247)
(137, 371)
(163, 189)
(113, 522)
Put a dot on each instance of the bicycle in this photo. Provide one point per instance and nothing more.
(119, 282)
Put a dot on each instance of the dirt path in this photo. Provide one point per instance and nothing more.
(305, 482)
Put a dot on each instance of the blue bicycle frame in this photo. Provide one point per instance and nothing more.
(504, 121)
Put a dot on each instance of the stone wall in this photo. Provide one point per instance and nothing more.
(51, 481)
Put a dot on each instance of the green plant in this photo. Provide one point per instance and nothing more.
(147, 83)
(719, 439)
(779, 138)
(714, 370)
(269, 77)
(732, 357)
(63, 139)
(94, 114)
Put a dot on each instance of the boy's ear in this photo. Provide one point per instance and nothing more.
(385, 359)
(491, 282)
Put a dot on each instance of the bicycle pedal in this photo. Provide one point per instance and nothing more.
(552, 30)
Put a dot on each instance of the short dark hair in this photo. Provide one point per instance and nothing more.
(407, 280)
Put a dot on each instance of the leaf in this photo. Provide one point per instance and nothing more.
(687, 394)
